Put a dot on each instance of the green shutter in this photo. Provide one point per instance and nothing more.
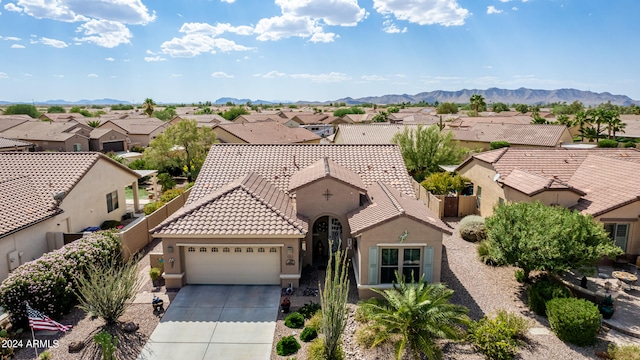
(373, 265)
(428, 264)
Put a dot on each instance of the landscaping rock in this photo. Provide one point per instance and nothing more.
(76, 346)
(131, 327)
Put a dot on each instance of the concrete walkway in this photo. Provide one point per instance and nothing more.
(216, 322)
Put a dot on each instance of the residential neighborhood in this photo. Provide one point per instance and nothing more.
(244, 213)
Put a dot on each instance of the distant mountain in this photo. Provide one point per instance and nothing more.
(65, 102)
(492, 95)
(225, 100)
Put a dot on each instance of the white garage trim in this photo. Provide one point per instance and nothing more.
(241, 245)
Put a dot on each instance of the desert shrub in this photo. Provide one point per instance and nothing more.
(543, 290)
(315, 321)
(520, 276)
(498, 144)
(45, 355)
(364, 313)
(500, 337)
(107, 343)
(110, 224)
(488, 254)
(317, 351)
(574, 320)
(308, 334)
(47, 283)
(154, 273)
(309, 309)
(151, 207)
(629, 144)
(472, 228)
(287, 345)
(606, 143)
(170, 195)
(294, 320)
(366, 336)
(624, 352)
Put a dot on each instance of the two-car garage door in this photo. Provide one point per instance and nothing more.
(237, 264)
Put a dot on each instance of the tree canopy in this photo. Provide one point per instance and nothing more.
(533, 236)
(22, 109)
(56, 109)
(234, 112)
(148, 106)
(183, 146)
(351, 110)
(443, 183)
(424, 148)
(447, 108)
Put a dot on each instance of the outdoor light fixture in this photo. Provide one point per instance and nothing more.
(304, 245)
(171, 261)
(170, 249)
(289, 250)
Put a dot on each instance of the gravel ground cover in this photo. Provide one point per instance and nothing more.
(483, 289)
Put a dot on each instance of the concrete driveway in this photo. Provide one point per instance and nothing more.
(217, 322)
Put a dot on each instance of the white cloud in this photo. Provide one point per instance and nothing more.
(373, 78)
(391, 28)
(505, 1)
(173, 76)
(28, 75)
(323, 78)
(124, 11)
(424, 12)
(331, 12)
(492, 10)
(10, 38)
(487, 67)
(12, 7)
(105, 33)
(323, 37)
(195, 44)
(17, 46)
(271, 75)
(110, 59)
(280, 27)
(53, 42)
(228, 1)
(154, 58)
(221, 75)
(514, 8)
(58, 76)
(3, 75)
(215, 30)
(92, 75)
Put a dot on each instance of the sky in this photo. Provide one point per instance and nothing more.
(187, 51)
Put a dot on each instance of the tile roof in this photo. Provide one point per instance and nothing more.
(9, 121)
(388, 204)
(21, 205)
(10, 143)
(43, 130)
(322, 169)
(370, 133)
(138, 126)
(269, 132)
(309, 119)
(250, 205)
(516, 134)
(531, 184)
(278, 163)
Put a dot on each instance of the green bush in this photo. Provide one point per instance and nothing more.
(520, 276)
(170, 195)
(151, 207)
(543, 290)
(629, 144)
(574, 320)
(108, 343)
(294, 320)
(625, 352)
(487, 254)
(500, 337)
(606, 143)
(47, 283)
(308, 334)
(498, 144)
(287, 345)
(472, 228)
(315, 321)
(154, 273)
(317, 351)
(309, 309)
(110, 224)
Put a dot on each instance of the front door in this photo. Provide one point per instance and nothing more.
(326, 230)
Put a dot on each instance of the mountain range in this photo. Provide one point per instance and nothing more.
(491, 95)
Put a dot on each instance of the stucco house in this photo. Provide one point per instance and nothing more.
(258, 214)
(53, 136)
(46, 194)
(266, 132)
(107, 139)
(599, 182)
(140, 131)
(15, 145)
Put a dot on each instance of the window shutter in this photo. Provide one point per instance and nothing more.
(373, 265)
(428, 264)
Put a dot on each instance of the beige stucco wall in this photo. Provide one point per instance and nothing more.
(62, 146)
(629, 214)
(174, 274)
(389, 233)
(32, 242)
(482, 174)
(226, 137)
(112, 135)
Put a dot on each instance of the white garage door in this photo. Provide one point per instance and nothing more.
(250, 265)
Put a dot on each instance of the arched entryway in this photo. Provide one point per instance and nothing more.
(326, 229)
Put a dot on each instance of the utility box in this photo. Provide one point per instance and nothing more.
(13, 260)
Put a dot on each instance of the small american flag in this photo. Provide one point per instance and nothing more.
(39, 321)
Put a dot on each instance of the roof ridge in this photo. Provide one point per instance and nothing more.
(392, 198)
(504, 151)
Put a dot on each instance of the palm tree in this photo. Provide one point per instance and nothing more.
(616, 125)
(581, 119)
(413, 316)
(477, 102)
(148, 105)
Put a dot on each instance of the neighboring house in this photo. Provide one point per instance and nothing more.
(140, 131)
(15, 145)
(63, 117)
(368, 133)
(481, 135)
(258, 214)
(208, 120)
(599, 182)
(268, 132)
(106, 140)
(52, 136)
(46, 194)
(632, 127)
(9, 121)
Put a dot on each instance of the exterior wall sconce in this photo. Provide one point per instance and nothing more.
(171, 261)
(290, 250)
(304, 245)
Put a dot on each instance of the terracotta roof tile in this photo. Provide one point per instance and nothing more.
(250, 205)
(517, 134)
(10, 143)
(269, 132)
(387, 204)
(325, 168)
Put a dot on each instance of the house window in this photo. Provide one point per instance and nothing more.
(404, 260)
(203, 249)
(500, 201)
(225, 249)
(112, 201)
(238, 250)
(619, 233)
(77, 147)
(272, 250)
(260, 250)
(479, 197)
(250, 250)
(214, 249)
(191, 249)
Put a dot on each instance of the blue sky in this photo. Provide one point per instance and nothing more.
(290, 50)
